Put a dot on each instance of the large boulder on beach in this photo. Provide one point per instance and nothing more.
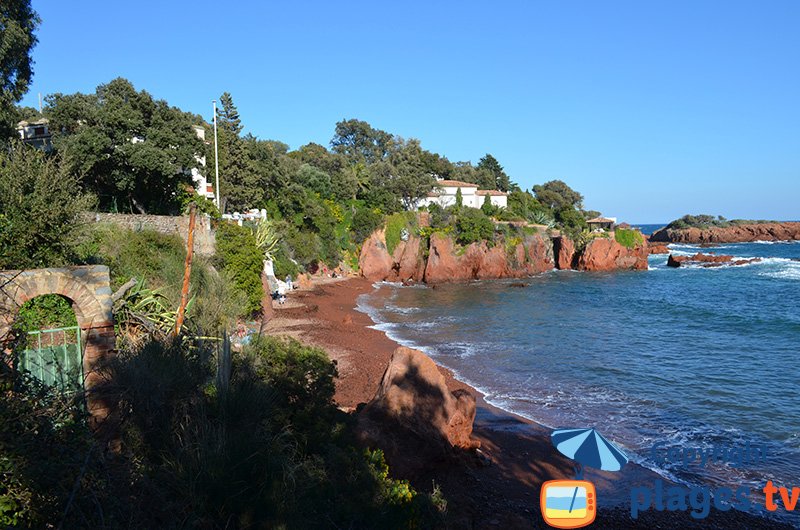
(606, 254)
(414, 418)
(375, 262)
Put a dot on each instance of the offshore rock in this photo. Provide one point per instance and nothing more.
(708, 260)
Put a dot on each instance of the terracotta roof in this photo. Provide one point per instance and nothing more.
(600, 220)
(493, 193)
(456, 184)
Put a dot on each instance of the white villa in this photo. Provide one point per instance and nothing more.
(445, 195)
(201, 183)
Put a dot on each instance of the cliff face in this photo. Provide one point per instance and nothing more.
(405, 262)
(479, 262)
(448, 262)
(604, 254)
(730, 234)
(564, 250)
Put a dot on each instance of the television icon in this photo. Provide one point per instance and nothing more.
(568, 503)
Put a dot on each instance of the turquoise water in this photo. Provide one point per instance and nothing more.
(690, 357)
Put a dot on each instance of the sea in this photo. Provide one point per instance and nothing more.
(686, 358)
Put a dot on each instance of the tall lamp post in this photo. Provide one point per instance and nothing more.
(216, 155)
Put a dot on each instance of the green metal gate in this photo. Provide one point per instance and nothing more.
(55, 357)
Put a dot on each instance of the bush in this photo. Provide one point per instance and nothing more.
(45, 312)
(283, 264)
(472, 225)
(628, 238)
(365, 222)
(396, 224)
(258, 444)
(39, 207)
(306, 248)
(571, 222)
(147, 255)
(241, 258)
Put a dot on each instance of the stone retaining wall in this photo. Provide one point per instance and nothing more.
(166, 224)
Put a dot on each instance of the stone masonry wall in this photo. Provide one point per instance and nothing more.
(204, 244)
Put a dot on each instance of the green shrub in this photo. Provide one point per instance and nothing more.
(45, 312)
(258, 444)
(40, 203)
(283, 264)
(396, 224)
(628, 238)
(147, 255)
(365, 222)
(472, 225)
(241, 258)
(306, 248)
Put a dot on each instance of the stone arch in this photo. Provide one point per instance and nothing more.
(88, 288)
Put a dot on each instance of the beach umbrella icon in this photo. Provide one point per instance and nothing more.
(588, 448)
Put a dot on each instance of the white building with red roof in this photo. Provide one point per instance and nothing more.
(444, 194)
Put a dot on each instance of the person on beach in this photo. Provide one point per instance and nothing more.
(240, 338)
(289, 284)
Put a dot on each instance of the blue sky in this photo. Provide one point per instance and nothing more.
(650, 109)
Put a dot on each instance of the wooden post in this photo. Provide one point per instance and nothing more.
(187, 271)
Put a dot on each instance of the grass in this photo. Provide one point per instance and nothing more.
(628, 238)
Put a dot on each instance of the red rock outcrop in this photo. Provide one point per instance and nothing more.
(605, 254)
(478, 261)
(405, 263)
(730, 234)
(564, 250)
(413, 414)
(658, 249)
(708, 260)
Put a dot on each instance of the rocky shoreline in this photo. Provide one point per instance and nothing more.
(496, 485)
(735, 233)
(439, 259)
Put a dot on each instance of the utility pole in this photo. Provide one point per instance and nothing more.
(216, 156)
(187, 271)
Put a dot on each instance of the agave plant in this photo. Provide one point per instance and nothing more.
(541, 217)
(266, 238)
(143, 312)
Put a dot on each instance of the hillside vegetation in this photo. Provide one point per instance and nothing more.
(710, 221)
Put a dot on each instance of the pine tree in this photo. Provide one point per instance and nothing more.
(501, 181)
(239, 183)
(487, 206)
(459, 198)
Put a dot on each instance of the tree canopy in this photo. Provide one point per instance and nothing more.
(132, 151)
(18, 22)
(557, 195)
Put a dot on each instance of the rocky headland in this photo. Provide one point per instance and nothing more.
(440, 259)
(734, 233)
